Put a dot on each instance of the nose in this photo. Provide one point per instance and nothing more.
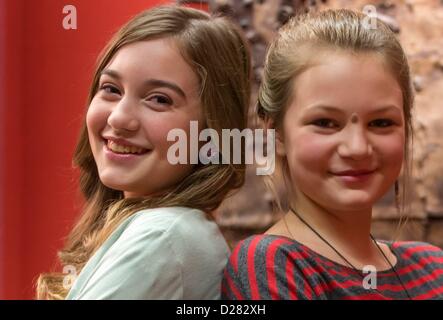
(355, 143)
(123, 116)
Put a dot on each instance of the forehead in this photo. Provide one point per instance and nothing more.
(157, 59)
(352, 82)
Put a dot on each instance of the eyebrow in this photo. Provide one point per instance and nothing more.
(335, 109)
(149, 82)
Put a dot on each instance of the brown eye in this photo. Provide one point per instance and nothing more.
(160, 100)
(381, 123)
(110, 89)
(325, 123)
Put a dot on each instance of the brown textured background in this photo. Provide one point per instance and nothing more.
(419, 25)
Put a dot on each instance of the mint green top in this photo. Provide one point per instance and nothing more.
(162, 253)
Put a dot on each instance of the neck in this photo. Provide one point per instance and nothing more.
(347, 230)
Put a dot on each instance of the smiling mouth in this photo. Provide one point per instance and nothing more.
(121, 149)
(353, 174)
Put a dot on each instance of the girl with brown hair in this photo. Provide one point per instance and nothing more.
(146, 230)
(337, 90)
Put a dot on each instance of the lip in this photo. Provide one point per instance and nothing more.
(354, 176)
(353, 172)
(121, 157)
(123, 142)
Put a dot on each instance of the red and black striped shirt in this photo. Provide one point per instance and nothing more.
(276, 267)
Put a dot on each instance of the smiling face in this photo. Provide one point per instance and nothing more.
(146, 90)
(343, 132)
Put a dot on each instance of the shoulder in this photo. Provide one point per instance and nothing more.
(154, 231)
(165, 218)
(147, 225)
(266, 267)
(416, 249)
(193, 240)
(177, 231)
(262, 252)
(424, 259)
(423, 254)
(174, 223)
(185, 228)
(155, 254)
(264, 246)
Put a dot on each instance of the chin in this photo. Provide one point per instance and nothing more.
(355, 204)
(113, 183)
(349, 201)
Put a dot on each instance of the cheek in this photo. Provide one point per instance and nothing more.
(158, 127)
(309, 152)
(157, 135)
(90, 122)
(96, 118)
(391, 150)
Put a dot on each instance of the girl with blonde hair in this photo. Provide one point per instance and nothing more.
(146, 231)
(337, 90)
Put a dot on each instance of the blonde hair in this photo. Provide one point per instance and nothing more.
(305, 36)
(219, 55)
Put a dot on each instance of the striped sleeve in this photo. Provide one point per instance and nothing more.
(263, 267)
(424, 266)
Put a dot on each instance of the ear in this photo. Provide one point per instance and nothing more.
(279, 141)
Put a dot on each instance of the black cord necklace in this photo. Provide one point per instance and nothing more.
(346, 260)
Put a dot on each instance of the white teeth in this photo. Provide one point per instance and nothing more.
(124, 149)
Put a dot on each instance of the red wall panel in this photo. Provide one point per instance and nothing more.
(45, 72)
(11, 146)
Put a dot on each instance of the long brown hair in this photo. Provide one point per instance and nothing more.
(219, 55)
(306, 35)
